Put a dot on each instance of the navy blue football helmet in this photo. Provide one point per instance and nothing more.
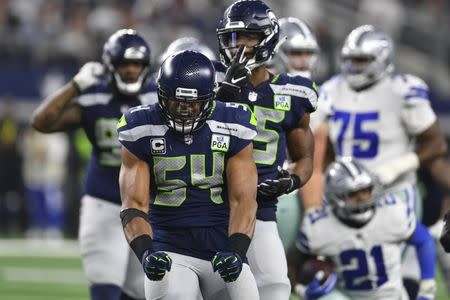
(126, 46)
(186, 83)
(252, 18)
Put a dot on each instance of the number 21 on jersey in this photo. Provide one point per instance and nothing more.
(357, 275)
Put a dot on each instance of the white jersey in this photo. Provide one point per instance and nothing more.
(376, 125)
(366, 260)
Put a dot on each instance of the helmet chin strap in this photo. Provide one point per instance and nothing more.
(306, 74)
(130, 88)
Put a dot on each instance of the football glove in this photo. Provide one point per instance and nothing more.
(237, 73)
(228, 264)
(285, 184)
(88, 75)
(445, 234)
(318, 287)
(236, 76)
(427, 290)
(156, 264)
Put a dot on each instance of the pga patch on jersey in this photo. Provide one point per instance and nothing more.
(220, 142)
(282, 102)
(158, 145)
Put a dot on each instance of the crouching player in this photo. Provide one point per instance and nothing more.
(361, 230)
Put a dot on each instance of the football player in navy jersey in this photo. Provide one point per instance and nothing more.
(95, 99)
(188, 186)
(282, 105)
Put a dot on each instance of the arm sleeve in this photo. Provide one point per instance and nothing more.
(417, 113)
(426, 251)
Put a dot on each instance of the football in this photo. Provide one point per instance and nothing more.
(311, 267)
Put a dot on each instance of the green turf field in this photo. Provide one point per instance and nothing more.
(38, 271)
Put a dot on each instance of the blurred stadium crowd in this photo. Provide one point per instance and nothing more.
(44, 42)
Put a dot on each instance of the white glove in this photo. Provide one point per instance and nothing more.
(391, 170)
(427, 289)
(88, 75)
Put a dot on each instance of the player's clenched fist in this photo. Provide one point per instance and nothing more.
(88, 75)
(156, 264)
(228, 264)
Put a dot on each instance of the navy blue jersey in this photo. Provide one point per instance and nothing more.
(278, 104)
(101, 110)
(188, 194)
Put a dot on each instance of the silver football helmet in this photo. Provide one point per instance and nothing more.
(187, 43)
(374, 48)
(299, 38)
(343, 179)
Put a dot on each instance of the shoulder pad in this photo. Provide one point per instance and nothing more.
(411, 87)
(296, 86)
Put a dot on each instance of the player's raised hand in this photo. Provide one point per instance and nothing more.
(228, 264)
(156, 264)
(89, 75)
(238, 73)
(284, 184)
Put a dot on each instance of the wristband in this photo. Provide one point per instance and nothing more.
(76, 86)
(239, 243)
(141, 244)
(129, 214)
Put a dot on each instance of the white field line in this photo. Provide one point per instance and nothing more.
(68, 276)
(39, 248)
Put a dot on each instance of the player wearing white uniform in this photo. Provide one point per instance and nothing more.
(365, 229)
(382, 119)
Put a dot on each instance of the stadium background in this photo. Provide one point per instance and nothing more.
(44, 42)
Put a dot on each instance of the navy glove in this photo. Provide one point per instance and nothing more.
(228, 264)
(318, 287)
(156, 264)
(285, 184)
(445, 234)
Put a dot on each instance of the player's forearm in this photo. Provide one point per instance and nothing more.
(440, 171)
(243, 216)
(311, 192)
(431, 145)
(50, 110)
(301, 150)
(304, 169)
(426, 252)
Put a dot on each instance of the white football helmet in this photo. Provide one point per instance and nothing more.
(187, 43)
(374, 48)
(299, 39)
(345, 177)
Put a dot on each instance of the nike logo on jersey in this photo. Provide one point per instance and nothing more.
(233, 81)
